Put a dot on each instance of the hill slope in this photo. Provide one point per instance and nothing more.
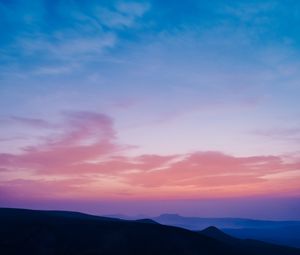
(277, 232)
(52, 232)
(248, 245)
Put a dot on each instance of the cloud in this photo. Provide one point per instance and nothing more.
(254, 12)
(85, 160)
(31, 122)
(213, 169)
(133, 8)
(83, 136)
(9, 139)
(289, 134)
(125, 14)
(79, 33)
(279, 132)
(67, 47)
(54, 189)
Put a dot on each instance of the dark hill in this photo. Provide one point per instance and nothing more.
(215, 233)
(54, 232)
(147, 221)
(283, 232)
(248, 246)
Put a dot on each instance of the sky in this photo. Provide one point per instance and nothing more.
(148, 107)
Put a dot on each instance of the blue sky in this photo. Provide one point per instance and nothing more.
(160, 59)
(174, 78)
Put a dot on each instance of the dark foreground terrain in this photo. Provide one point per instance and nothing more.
(56, 232)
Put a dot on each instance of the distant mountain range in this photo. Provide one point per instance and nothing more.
(58, 232)
(278, 232)
(196, 223)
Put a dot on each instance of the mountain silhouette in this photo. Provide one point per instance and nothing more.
(196, 223)
(215, 233)
(58, 232)
(248, 246)
(277, 232)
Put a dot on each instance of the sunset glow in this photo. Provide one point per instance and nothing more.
(116, 104)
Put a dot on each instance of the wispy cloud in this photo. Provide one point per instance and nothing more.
(124, 15)
(253, 12)
(287, 134)
(86, 32)
(85, 157)
(32, 122)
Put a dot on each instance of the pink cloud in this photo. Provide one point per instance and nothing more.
(215, 174)
(85, 136)
(84, 125)
(41, 188)
(84, 160)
